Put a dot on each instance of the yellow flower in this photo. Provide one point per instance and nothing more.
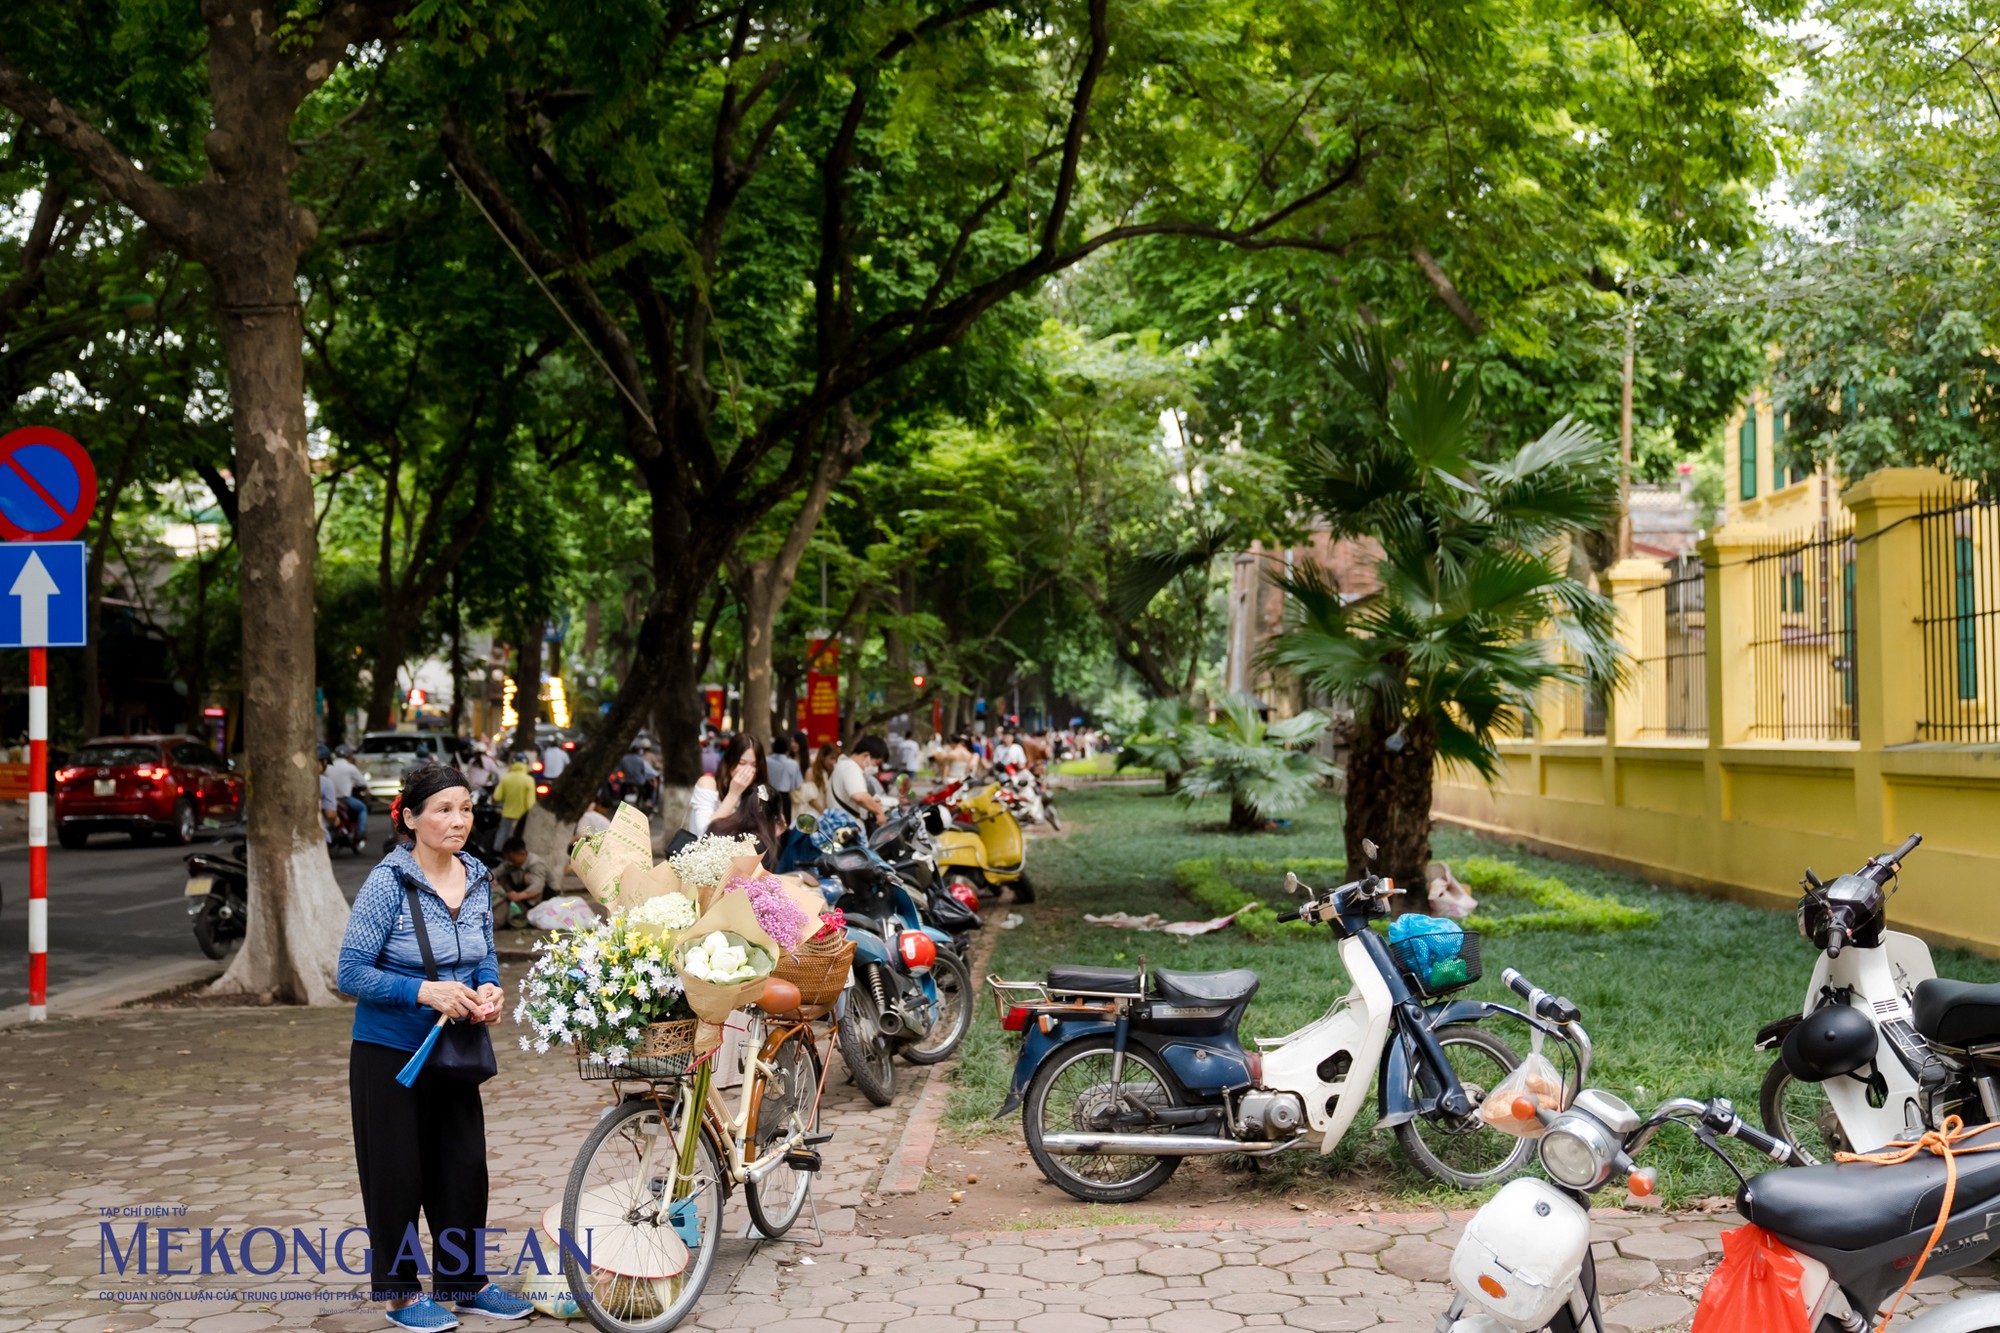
(607, 990)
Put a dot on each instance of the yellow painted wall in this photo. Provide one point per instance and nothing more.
(1745, 817)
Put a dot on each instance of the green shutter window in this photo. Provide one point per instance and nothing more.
(1778, 451)
(1746, 446)
(1798, 590)
(1968, 648)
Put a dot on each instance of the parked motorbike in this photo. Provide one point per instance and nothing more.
(1524, 1262)
(912, 992)
(904, 840)
(1122, 1073)
(980, 843)
(218, 897)
(1883, 1049)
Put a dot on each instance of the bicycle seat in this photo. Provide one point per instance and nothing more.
(1858, 1205)
(1095, 980)
(1232, 987)
(1957, 1013)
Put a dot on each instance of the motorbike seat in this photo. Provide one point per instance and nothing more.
(1232, 987)
(849, 863)
(1957, 1013)
(860, 921)
(1095, 980)
(1857, 1205)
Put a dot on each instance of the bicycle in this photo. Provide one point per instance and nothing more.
(645, 1199)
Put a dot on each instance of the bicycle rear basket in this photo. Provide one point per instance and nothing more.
(1427, 963)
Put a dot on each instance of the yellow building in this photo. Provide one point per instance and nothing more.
(1819, 681)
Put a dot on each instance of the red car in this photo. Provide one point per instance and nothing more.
(143, 785)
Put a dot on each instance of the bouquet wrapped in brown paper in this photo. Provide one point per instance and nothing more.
(601, 859)
(720, 971)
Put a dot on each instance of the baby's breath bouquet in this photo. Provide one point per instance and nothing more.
(600, 986)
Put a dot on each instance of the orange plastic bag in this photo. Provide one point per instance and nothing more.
(1755, 1288)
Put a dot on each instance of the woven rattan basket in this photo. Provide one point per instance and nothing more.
(664, 1050)
(819, 976)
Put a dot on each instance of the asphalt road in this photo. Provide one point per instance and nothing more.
(113, 905)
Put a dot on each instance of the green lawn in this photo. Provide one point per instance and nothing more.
(1673, 1007)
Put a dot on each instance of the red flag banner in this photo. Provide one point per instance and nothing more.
(822, 701)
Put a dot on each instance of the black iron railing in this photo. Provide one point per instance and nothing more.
(1959, 543)
(1802, 642)
(1672, 665)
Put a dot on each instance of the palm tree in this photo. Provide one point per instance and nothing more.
(1476, 611)
(1260, 766)
(1164, 741)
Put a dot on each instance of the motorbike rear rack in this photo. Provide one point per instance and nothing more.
(1037, 996)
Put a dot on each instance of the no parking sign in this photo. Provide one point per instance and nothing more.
(48, 485)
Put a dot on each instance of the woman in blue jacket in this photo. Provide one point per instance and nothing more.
(423, 1148)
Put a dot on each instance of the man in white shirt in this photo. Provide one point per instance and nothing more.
(849, 783)
(350, 787)
(554, 760)
(1010, 752)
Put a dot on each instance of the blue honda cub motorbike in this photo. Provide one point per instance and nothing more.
(1123, 1073)
(910, 991)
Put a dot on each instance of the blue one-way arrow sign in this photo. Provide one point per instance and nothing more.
(41, 595)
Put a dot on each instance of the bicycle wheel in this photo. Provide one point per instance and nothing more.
(1800, 1114)
(616, 1212)
(1464, 1151)
(788, 1104)
(869, 1056)
(953, 980)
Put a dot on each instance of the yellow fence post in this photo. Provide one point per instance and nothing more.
(1638, 638)
(1732, 676)
(1888, 599)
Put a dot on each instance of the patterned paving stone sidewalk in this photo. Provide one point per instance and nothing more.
(240, 1118)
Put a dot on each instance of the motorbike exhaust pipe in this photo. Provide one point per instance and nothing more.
(1158, 1145)
(891, 1023)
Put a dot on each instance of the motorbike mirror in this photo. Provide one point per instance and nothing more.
(1368, 848)
(1291, 883)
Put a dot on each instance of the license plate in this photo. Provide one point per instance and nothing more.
(105, 787)
(199, 884)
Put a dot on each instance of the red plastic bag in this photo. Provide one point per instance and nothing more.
(1755, 1288)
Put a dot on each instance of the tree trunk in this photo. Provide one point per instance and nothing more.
(297, 913)
(767, 584)
(528, 690)
(93, 586)
(391, 648)
(1243, 819)
(457, 658)
(1389, 800)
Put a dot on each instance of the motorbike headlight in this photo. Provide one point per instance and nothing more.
(1577, 1152)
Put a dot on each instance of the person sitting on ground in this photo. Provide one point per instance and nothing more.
(743, 764)
(520, 881)
(598, 817)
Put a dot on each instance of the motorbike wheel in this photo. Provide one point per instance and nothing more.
(181, 832)
(1800, 1114)
(954, 1012)
(1024, 892)
(868, 1053)
(1071, 1093)
(1055, 819)
(206, 933)
(1465, 1152)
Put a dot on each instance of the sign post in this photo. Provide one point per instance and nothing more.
(48, 488)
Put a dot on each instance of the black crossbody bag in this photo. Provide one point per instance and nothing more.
(464, 1050)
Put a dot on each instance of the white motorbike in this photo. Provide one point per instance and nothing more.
(1524, 1264)
(1123, 1073)
(1883, 1049)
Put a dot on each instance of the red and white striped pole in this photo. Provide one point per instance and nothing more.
(38, 834)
